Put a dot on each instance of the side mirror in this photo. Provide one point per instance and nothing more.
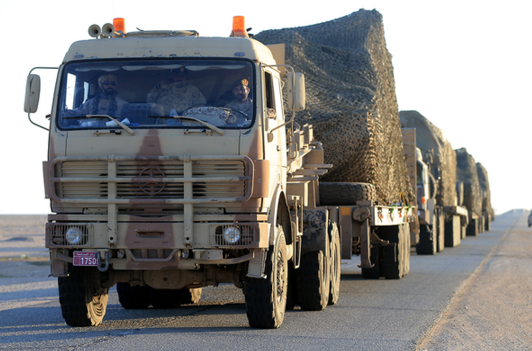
(296, 91)
(33, 92)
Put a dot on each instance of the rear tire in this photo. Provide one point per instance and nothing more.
(427, 244)
(313, 282)
(83, 302)
(472, 228)
(373, 272)
(266, 299)
(335, 264)
(133, 297)
(166, 298)
(396, 258)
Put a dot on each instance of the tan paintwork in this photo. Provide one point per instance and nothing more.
(176, 242)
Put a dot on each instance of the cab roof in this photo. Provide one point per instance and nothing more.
(169, 47)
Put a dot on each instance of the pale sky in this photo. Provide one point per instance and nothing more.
(465, 65)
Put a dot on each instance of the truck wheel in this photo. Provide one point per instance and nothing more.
(133, 297)
(345, 193)
(433, 187)
(335, 264)
(440, 223)
(487, 223)
(291, 298)
(427, 244)
(265, 299)
(166, 298)
(313, 281)
(396, 258)
(191, 296)
(83, 302)
(472, 228)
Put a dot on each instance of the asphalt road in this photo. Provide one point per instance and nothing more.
(371, 314)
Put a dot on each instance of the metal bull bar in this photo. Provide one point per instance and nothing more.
(187, 180)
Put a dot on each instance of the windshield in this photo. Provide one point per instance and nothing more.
(157, 94)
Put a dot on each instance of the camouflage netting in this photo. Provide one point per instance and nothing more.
(485, 188)
(466, 172)
(429, 137)
(351, 100)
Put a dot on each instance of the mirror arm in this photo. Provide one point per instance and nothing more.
(35, 124)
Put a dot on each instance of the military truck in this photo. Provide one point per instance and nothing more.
(442, 217)
(467, 175)
(163, 201)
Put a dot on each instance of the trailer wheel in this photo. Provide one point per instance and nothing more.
(83, 302)
(133, 297)
(345, 193)
(472, 228)
(335, 264)
(191, 296)
(374, 272)
(166, 298)
(396, 258)
(265, 299)
(427, 244)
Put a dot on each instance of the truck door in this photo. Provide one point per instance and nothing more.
(274, 116)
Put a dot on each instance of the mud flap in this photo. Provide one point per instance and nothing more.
(256, 264)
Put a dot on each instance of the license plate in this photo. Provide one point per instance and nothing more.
(85, 258)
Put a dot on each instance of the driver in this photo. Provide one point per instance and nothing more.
(241, 101)
(176, 93)
(107, 102)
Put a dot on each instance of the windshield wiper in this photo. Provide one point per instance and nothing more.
(125, 127)
(130, 131)
(208, 125)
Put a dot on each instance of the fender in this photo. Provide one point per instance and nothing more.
(279, 210)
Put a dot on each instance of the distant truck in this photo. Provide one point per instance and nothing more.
(472, 194)
(163, 200)
(442, 219)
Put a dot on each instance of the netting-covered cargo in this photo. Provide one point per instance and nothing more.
(485, 188)
(466, 173)
(431, 139)
(351, 102)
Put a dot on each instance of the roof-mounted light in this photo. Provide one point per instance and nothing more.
(120, 25)
(239, 28)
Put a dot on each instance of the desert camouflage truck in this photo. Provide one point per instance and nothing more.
(442, 217)
(164, 200)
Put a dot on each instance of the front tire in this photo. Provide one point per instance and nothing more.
(265, 299)
(83, 301)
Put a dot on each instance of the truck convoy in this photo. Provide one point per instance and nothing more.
(173, 165)
(442, 217)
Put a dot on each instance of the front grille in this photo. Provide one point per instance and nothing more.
(152, 178)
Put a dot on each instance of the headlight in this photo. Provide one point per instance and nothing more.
(231, 235)
(73, 236)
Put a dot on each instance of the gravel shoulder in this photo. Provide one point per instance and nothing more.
(494, 309)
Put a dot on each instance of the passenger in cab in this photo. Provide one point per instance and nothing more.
(241, 101)
(176, 93)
